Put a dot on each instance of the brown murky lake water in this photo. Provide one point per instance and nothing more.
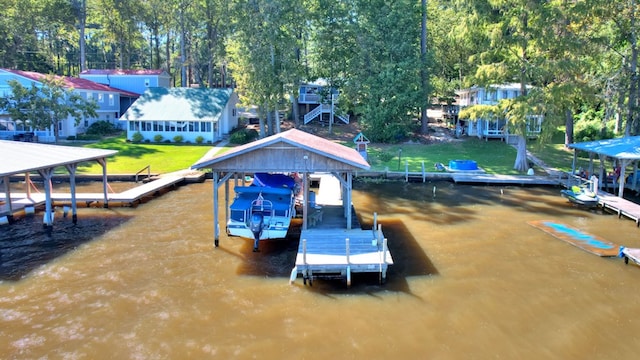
(471, 280)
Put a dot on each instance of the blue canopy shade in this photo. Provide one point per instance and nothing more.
(627, 148)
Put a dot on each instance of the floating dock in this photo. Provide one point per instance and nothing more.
(327, 249)
(575, 237)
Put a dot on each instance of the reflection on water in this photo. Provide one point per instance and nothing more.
(471, 279)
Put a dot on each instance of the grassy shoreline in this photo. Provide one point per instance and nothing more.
(494, 156)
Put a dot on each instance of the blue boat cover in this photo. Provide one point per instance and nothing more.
(274, 180)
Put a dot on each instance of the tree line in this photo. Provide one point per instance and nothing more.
(389, 59)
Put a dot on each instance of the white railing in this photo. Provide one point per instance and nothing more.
(324, 109)
(313, 114)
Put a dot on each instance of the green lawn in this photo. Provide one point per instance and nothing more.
(131, 158)
(494, 156)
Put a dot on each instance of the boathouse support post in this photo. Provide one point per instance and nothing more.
(7, 196)
(348, 189)
(226, 202)
(27, 184)
(621, 182)
(602, 173)
(103, 163)
(71, 168)
(305, 200)
(590, 169)
(216, 227)
(48, 215)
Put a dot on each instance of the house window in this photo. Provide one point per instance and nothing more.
(233, 112)
(89, 96)
(505, 94)
(100, 97)
(111, 99)
(86, 123)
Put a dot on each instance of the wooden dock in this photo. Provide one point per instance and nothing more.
(21, 201)
(492, 179)
(620, 206)
(327, 249)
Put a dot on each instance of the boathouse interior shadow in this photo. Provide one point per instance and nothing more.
(26, 244)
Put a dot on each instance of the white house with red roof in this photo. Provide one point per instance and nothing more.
(110, 103)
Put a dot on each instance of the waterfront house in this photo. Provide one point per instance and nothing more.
(136, 81)
(317, 101)
(191, 114)
(107, 98)
(497, 125)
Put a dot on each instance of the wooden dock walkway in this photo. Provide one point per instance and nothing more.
(620, 206)
(492, 179)
(20, 201)
(327, 249)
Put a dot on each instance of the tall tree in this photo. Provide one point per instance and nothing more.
(44, 106)
(385, 68)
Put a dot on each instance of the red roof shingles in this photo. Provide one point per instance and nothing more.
(71, 82)
(294, 136)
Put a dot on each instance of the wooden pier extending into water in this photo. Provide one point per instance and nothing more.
(327, 249)
(620, 206)
(24, 201)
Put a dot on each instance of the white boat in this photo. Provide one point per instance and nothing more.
(261, 213)
(630, 253)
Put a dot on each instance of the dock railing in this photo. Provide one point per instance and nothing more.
(148, 168)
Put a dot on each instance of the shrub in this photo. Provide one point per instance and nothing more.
(243, 136)
(385, 156)
(158, 138)
(199, 139)
(590, 130)
(71, 137)
(88, 137)
(178, 139)
(102, 128)
(137, 137)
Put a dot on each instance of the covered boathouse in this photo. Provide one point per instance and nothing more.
(25, 158)
(297, 151)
